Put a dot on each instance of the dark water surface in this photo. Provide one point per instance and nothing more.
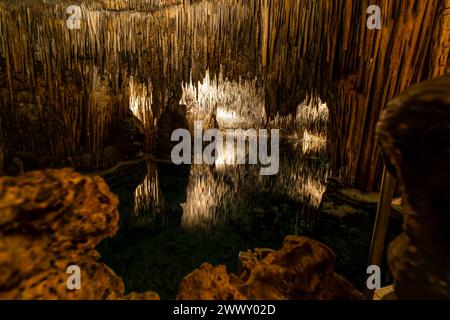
(174, 218)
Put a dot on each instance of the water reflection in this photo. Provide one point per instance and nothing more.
(178, 217)
(148, 198)
(220, 192)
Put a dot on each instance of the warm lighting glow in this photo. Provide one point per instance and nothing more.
(141, 101)
(147, 196)
(313, 144)
(215, 193)
(224, 116)
(235, 104)
(204, 196)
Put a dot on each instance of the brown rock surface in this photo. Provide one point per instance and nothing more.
(302, 269)
(414, 134)
(52, 219)
(296, 49)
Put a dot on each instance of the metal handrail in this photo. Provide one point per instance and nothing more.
(381, 224)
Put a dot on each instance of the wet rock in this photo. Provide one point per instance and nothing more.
(385, 293)
(302, 269)
(52, 219)
(414, 134)
(210, 283)
(128, 136)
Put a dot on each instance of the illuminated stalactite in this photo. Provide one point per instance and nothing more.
(296, 48)
(148, 198)
(216, 192)
(234, 104)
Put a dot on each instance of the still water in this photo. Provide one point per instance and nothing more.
(174, 218)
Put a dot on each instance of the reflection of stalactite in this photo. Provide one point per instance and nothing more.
(313, 144)
(148, 198)
(210, 200)
(312, 115)
(297, 47)
(302, 175)
(205, 194)
(215, 193)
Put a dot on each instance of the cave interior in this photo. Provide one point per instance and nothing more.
(349, 100)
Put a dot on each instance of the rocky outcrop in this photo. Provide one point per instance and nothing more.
(301, 270)
(414, 134)
(52, 219)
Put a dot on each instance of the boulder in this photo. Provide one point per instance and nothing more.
(301, 270)
(50, 220)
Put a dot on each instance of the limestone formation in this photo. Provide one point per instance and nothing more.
(294, 48)
(52, 219)
(301, 270)
(414, 134)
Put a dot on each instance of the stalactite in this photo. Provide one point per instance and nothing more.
(234, 104)
(296, 48)
(141, 98)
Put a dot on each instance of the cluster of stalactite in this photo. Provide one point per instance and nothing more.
(354, 69)
(234, 104)
(141, 98)
(82, 77)
(148, 197)
(295, 48)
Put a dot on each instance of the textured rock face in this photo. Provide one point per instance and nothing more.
(414, 134)
(84, 83)
(48, 221)
(301, 270)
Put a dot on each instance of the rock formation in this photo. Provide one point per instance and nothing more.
(48, 221)
(52, 219)
(301, 270)
(295, 49)
(414, 134)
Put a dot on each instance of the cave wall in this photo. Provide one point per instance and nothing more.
(296, 48)
(73, 85)
(354, 69)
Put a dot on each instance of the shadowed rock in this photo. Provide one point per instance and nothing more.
(414, 134)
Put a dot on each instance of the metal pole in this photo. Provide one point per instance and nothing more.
(381, 223)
